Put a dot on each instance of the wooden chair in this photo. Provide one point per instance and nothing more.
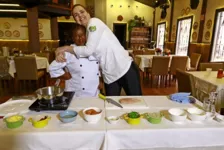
(160, 67)
(6, 80)
(137, 52)
(43, 54)
(179, 62)
(149, 52)
(195, 58)
(26, 70)
(214, 66)
(185, 82)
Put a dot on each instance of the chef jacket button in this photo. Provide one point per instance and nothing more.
(80, 65)
(82, 77)
(97, 62)
(83, 88)
(97, 73)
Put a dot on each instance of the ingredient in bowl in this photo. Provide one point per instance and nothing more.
(133, 114)
(129, 100)
(91, 112)
(14, 118)
(68, 116)
(45, 117)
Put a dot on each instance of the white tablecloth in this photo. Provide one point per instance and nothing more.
(42, 63)
(81, 135)
(206, 82)
(146, 61)
(78, 135)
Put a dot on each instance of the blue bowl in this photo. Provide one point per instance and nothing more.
(68, 116)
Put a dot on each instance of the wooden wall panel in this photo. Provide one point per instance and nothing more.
(201, 48)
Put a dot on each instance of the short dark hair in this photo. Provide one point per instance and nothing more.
(77, 27)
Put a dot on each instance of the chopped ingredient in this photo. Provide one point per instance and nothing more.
(91, 112)
(14, 118)
(133, 114)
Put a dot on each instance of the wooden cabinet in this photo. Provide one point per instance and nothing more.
(139, 37)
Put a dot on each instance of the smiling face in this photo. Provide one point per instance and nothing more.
(80, 15)
(79, 36)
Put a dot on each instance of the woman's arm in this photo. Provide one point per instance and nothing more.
(95, 30)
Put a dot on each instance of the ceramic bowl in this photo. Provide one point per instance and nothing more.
(92, 114)
(68, 116)
(113, 119)
(219, 118)
(196, 114)
(132, 121)
(154, 118)
(14, 121)
(39, 121)
(177, 115)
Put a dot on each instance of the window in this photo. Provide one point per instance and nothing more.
(217, 54)
(183, 35)
(161, 29)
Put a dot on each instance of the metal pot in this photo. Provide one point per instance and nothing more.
(50, 92)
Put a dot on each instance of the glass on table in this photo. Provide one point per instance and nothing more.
(207, 105)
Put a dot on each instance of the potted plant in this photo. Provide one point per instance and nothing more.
(167, 52)
(158, 51)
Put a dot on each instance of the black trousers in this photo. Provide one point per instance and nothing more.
(130, 82)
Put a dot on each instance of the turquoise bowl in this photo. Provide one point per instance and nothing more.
(68, 116)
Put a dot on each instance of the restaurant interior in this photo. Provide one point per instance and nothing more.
(178, 46)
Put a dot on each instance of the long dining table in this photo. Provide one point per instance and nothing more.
(206, 135)
(146, 61)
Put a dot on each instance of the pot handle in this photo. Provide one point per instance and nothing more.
(30, 120)
(48, 118)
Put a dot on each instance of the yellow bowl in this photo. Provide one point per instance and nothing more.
(132, 121)
(37, 123)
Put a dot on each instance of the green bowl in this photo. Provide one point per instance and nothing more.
(14, 124)
(154, 118)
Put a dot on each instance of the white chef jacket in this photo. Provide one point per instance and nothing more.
(84, 72)
(105, 47)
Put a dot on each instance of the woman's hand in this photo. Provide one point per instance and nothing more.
(59, 53)
(60, 57)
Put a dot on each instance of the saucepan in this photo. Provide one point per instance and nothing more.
(49, 93)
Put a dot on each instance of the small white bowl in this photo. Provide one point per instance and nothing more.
(92, 118)
(196, 114)
(113, 119)
(177, 115)
(219, 118)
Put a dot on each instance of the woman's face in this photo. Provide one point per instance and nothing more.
(79, 37)
(80, 15)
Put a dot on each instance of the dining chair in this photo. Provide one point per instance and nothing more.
(137, 52)
(6, 80)
(160, 67)
(179, 62)
(214, 66)
(195, 59)
(43, 54)
(149, 52)
(185, 82)
(26, 71)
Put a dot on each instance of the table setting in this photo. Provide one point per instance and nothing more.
(96, 124)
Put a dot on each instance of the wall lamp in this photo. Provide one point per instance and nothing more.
(15, 5)
(11, 10)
